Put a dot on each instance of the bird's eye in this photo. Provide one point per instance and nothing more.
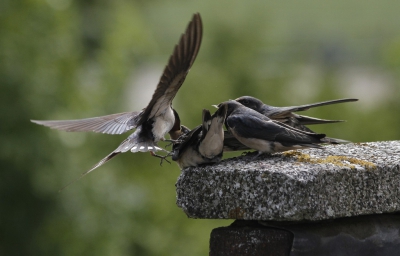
(245, 102)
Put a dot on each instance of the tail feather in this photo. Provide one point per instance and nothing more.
(145, 146)
(131, 143)
(137, 142)
(318, 104)
(307, 120)
(311, 145)
(100, 163)
(334, 140)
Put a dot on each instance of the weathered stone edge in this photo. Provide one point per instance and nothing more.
(266, 190)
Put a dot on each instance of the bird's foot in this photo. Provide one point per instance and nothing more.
(162, 157)
(173, 142)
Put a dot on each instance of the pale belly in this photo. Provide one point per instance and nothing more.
(163, 124)
(257, 144)
(190, 158)
(212, 145)
(265, 146)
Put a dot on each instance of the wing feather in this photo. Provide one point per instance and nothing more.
(175, 72)
(109, 124)
(253, 127)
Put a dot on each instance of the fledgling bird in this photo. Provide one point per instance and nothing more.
(155, 120)
(286, 114)
(232, 144)
(256, 131)
(204, 144)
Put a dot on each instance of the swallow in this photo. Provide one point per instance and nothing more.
(256, 131)
(204, 144)
(178, 129)
(158, 117)
(286, 114)
(232, 144)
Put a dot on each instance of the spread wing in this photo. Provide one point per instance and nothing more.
(175, 72)
(110, 124)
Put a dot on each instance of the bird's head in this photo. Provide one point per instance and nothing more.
(250, 102)
(230, 106)
(175, 131)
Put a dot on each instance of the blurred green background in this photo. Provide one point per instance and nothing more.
(65, 59)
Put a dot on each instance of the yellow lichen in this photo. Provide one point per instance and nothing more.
(342, 161)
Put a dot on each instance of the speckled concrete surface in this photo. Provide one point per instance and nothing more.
(339, 181)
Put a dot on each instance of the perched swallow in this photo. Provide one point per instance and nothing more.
(204, 144)
(232, 144)
(286, 115)
(158, 118)
(256, 131)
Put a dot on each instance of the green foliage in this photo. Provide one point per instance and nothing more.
(64, 59)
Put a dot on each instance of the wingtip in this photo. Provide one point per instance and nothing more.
(39, 122)
(350, 100)
(178, 65)
(197, 15)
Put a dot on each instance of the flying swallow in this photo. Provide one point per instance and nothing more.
(286, 114)
(178, 129)
(155, 120)
(204, 144)
(256, 131)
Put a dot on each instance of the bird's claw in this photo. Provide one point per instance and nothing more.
(162, 157)
(173, 142)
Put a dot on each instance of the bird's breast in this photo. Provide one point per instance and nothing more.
(213, 143)
(162, 124)
(190, 157)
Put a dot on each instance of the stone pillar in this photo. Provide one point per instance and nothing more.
(250, 238)
(319, 196)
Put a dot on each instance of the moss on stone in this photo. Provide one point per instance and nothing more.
(341, 161)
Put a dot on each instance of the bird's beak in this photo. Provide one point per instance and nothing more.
(215, 106)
